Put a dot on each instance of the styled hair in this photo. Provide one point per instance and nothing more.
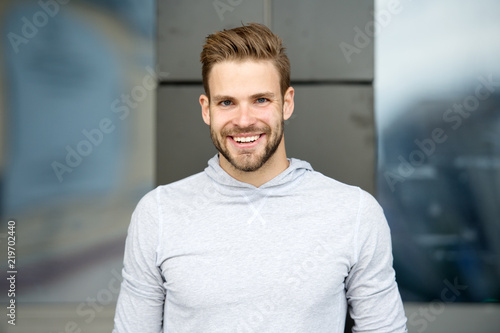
(249, 42)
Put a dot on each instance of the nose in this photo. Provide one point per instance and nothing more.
(244, 116)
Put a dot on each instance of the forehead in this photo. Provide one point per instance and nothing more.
(240, 78)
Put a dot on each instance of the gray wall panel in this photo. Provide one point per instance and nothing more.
(183, 26)
(313, 31)
(183, 144)
(332, 128)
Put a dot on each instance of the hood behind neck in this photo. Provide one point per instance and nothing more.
(295, 170)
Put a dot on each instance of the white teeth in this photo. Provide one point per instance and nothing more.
(246, 139)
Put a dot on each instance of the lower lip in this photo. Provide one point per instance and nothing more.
(244, 145)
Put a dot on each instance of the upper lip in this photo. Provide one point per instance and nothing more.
(244, 135)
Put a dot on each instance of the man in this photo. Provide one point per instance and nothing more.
(257, 242)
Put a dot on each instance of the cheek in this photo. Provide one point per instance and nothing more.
(269, 115)
(217, 125)
(214, 120)
(276, 119)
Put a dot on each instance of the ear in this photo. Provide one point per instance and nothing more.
(288, 103)
(205, 109)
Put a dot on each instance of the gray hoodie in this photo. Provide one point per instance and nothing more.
(212, 254)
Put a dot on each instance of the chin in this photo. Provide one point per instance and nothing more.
(250, 163)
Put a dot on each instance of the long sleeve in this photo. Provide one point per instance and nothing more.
(374, 301)
(142, 295)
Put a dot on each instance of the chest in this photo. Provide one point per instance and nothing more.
(231, 260)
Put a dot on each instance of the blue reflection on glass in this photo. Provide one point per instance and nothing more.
(60, 91)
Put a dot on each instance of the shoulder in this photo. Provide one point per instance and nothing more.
(182, 187)
(323, 184)
(343, 194)
(151, 208)
(168, 195)
(188, 183)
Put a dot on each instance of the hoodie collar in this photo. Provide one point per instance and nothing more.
(295, 170)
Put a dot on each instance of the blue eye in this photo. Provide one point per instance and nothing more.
(226, 103)
(262, 100)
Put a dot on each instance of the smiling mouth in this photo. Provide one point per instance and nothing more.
(246, 139)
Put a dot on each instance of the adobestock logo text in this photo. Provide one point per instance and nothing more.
(32, 25)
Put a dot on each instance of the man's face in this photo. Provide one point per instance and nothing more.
(246, 112)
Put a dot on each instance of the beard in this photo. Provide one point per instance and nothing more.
(252, 160)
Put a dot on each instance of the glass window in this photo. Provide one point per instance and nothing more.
(78, 112)
(438, 117)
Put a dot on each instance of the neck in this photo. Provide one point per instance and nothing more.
(273, 167)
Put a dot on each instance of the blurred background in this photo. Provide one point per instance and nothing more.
(78, 85)
(99, 104)
(438, 120)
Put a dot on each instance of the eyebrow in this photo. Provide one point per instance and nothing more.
(219, 98)
(266, 94)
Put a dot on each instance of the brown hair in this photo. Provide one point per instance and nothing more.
(253, 41)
